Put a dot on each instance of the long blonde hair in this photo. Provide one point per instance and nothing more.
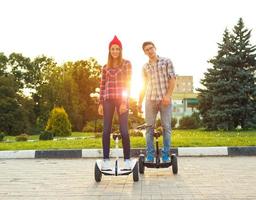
(110, 59)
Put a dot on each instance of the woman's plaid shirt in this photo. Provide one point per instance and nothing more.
(156, 78)
(115, 82)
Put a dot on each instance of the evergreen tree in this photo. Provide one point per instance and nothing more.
(58, 122)
(229, 97)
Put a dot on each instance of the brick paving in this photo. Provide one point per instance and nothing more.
(199, 178)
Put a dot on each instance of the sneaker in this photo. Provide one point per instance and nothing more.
(149, 159)
(127, 164)
(166, 158)
(106, 165)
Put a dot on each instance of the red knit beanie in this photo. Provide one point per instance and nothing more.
(115, 41)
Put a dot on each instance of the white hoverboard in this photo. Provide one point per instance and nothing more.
(116, 170)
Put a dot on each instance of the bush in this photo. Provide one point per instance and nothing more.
(173, 122)
(21, 137)
(134, 121)
(46, 135)
(34, 131)
(58, 123)
(190, 122)
(90, 126)
(2, 135)
(135, 133)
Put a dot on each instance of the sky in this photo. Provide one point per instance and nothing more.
(186, 31)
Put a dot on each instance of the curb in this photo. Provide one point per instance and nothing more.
(97, 153)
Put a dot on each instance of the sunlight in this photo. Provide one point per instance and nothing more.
(136, 85)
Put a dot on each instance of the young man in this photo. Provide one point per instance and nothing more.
(159, 81)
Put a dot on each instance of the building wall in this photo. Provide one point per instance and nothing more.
(183, 91)
(184, 84)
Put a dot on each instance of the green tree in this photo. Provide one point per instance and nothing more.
(81, 78)
(69, 86)
(58, 122)
(13, 119)
(229, 97)
(19, 65)
(47, 91)
(3, 62)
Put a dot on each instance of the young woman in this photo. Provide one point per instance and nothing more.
(114, 95)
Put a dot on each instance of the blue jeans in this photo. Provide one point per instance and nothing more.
(109, 107)
(151, 110)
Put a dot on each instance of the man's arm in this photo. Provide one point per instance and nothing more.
(171, 83)
(171, 86)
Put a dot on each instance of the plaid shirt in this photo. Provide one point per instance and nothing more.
(115, 82)
(157, 77)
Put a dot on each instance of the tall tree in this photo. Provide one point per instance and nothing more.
(229, 96)
(13, 119)
(70, 86)
(3, 61)
(85, 76)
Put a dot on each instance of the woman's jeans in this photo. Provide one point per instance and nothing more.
(109, 107)
(151, 110)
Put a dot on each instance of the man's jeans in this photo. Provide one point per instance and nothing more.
(151, 110)
(109, 107)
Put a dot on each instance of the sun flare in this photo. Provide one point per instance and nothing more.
(136, 85)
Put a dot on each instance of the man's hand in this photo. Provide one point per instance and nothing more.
(123, 108)
(166, 101)
(100, 109)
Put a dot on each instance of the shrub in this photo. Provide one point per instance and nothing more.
(46, 135)
(135, 133)
(58, 122)
(173, 122)
(134, 121)
(2, 135)
(190, 122)
(21, 137)
(90, 126)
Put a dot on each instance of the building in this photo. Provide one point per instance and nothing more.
(184, 84)
(184, 99)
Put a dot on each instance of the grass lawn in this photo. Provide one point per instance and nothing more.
(180, 138)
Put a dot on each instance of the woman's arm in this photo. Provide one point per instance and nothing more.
(102, 84)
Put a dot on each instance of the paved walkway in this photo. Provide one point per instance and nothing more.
(198, 178)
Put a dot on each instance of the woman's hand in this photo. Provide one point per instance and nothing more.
(100, 109)
(123, 108)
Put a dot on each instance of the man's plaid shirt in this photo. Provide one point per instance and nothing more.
(115, 82)
(157, 77)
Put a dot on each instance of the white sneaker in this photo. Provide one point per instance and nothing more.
(127, 164)
(106, 165)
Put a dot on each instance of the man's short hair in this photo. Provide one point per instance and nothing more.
(147, 43)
